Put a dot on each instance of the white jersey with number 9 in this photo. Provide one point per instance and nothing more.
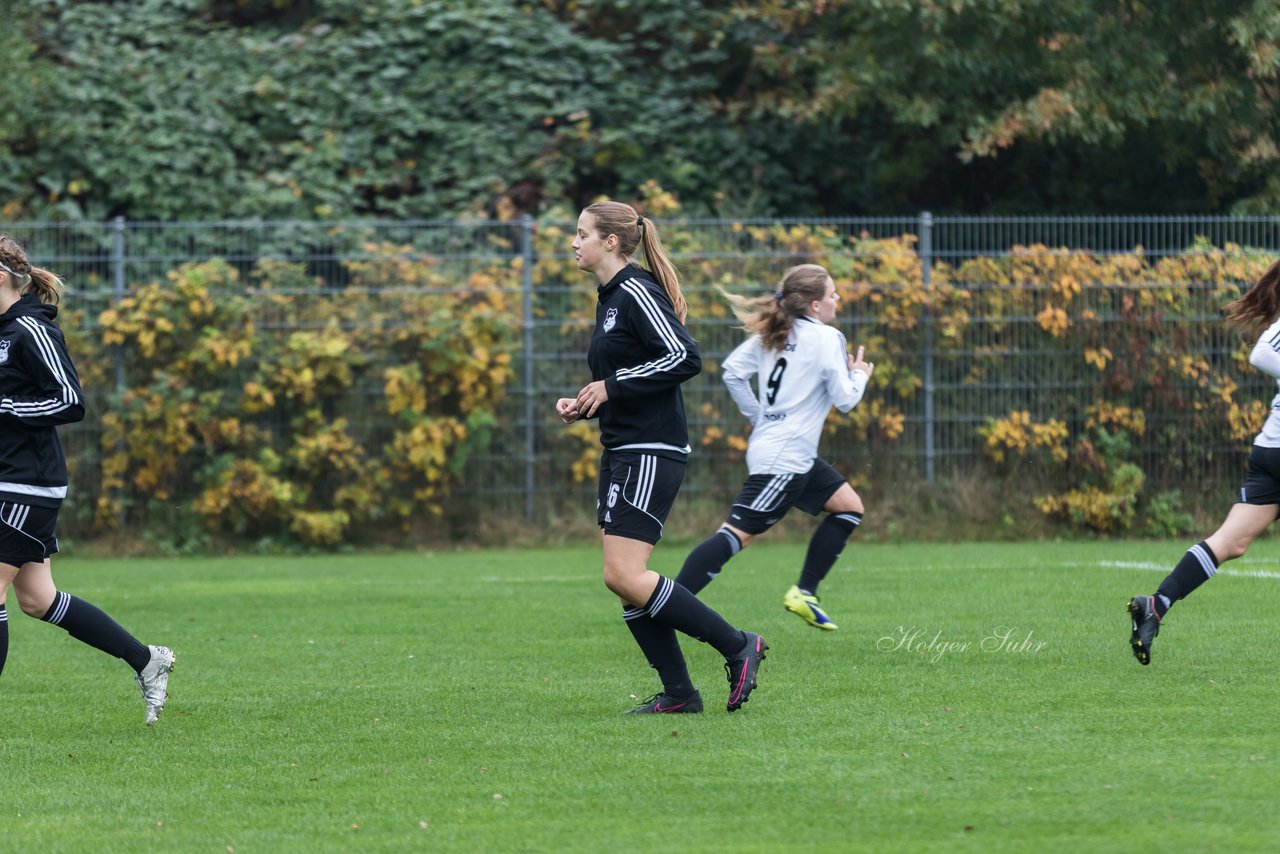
(797, 388)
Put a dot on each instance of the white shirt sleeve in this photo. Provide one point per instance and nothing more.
(736, 370)
(844, 387)
(1266, 353)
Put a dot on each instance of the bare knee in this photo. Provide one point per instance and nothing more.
(844, 500)
(619, 578)
(1229, 549)
(35, 599)
(1242, 525)
(611, 581)
(1228, 545)
(33, 604)
(743, 537)
(35, 588)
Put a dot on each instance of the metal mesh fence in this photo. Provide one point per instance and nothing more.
(998, 361)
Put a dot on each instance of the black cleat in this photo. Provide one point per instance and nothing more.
(741, 670)
(664, 704)
(1146, 625)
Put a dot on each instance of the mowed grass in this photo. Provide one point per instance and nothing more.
(471, 701)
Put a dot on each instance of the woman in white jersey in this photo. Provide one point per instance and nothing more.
(803, 368)
(1259, 499)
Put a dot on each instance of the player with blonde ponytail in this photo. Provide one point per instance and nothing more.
(639, 356)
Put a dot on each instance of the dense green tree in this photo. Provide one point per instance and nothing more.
(1038, 104)
(366, 108)
(202, 109)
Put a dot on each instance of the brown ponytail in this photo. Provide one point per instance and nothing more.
(772, 316)
(662, 268)
(1260, 305)
(44, 285)
(27, 279)
(635, 232)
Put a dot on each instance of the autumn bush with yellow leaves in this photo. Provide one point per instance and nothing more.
(1133, 339)
(261, 402)
(1088, 344)
(275, 408)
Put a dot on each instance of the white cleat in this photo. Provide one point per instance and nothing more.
(154, 681)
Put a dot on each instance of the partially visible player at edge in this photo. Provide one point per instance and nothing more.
(1259, 499)
(39, 389)
(803, 368)
(640, 354)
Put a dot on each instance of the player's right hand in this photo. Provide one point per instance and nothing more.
(857, 363)
(567, 409)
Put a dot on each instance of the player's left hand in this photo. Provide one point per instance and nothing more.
(591, 397)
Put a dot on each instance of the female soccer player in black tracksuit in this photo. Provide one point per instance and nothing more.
(39, 389)
(640, 354)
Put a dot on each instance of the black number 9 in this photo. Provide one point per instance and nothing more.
(775, 380)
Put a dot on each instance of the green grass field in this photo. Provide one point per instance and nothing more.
(471, 701)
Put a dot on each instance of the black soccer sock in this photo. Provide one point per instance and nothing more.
(4, 636)
(1197, 566)
(825, 547)
(661, 649)
(674, 606)
(88, 624)
(705, 562)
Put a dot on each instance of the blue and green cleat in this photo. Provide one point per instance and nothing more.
(806, 607)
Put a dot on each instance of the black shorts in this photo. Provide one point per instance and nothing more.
(766, 498)
(1262, 480)
(636, 493)
(26, 533)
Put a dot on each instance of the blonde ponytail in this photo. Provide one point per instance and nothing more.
(772, 316)
(27, 279)
(635, 232)
(44, 285)
(663, 270)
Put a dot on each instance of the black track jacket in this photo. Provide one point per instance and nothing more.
(643, 353)
(39, 389)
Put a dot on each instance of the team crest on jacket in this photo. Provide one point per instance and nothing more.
(4, 351)
(610, 319)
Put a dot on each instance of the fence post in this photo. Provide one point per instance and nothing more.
(926, 330)
(117, 276)
(530, 434)
(118, 281)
